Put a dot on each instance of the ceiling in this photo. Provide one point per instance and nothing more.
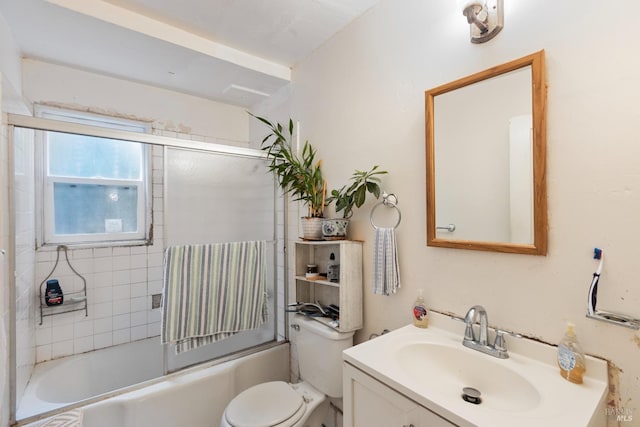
(234, 51)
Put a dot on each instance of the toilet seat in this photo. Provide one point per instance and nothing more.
(266, 405)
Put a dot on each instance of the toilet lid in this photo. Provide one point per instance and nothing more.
(264, 405)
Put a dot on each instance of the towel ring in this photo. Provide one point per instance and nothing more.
(389, 200)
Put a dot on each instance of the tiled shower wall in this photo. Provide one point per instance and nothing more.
(25, 234)
(120, 283)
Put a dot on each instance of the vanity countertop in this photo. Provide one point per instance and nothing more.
(431, 367)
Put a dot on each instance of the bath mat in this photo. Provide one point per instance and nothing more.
(67, 419)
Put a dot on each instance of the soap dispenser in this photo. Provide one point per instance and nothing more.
(420, 312)
(571, 357)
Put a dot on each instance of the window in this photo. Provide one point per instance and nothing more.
(94, 189)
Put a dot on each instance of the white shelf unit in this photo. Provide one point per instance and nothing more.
(346, 293)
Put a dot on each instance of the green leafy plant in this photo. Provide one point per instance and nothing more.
(299, 176)
(356, 194)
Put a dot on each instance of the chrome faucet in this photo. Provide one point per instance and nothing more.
(498, 349)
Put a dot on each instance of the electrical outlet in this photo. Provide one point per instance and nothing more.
(156, 301)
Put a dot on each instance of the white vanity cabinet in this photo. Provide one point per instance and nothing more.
(346, 293)
(370, 403)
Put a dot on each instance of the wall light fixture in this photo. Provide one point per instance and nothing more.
(485, 18)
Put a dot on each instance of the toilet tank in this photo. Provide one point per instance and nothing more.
(320, 354)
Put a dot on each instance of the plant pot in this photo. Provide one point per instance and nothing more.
(311, 228)
(335, 228)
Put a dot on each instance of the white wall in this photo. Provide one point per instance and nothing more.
(360, 99)
(170, 113)
(10, 62)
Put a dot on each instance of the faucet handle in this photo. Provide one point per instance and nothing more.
(499, 343)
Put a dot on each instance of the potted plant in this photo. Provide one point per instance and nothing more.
(297, 175)
(348, 197)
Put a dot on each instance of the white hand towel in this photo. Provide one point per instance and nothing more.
(386, 269)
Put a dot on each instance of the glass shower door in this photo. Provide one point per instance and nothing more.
(213, 198)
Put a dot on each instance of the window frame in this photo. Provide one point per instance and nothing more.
(46, 183)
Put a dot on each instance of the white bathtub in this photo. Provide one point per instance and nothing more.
(194, 397)
(61, 382)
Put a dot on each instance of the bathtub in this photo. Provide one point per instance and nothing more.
(193, 397)
(61, 382)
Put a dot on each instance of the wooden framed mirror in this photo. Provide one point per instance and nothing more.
(486, 160)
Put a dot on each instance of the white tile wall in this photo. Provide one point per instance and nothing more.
(24, 205)
(120, 282)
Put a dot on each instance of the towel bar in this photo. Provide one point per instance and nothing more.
(389, 200)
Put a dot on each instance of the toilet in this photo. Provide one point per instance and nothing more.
(304, 404)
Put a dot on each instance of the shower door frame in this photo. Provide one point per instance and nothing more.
(40, 124)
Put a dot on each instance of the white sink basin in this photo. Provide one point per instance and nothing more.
(455, 368)
(431, 367)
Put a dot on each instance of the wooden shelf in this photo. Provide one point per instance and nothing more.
(319, 281)
(346, 293)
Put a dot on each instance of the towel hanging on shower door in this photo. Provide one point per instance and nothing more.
(212, 291)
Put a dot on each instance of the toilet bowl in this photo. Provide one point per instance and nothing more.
(276, 404)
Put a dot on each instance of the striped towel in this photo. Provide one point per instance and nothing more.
(71, 418)
(212, 292)
(386, 270)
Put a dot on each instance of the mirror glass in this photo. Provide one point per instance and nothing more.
(486, 149)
